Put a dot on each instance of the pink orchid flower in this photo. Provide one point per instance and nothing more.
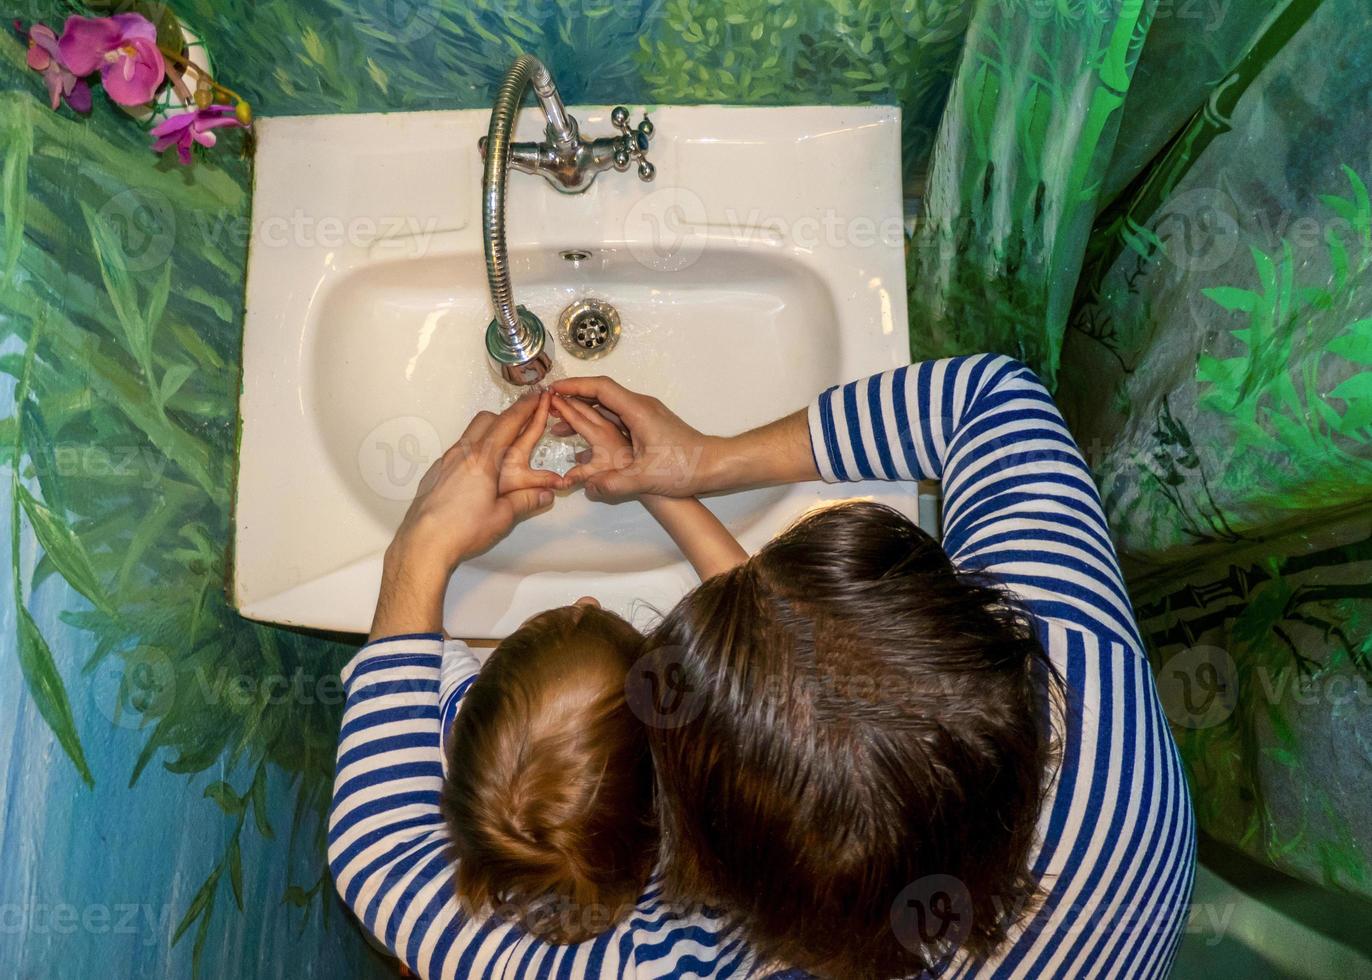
(62, 81)
(123, 48)
(196, 126)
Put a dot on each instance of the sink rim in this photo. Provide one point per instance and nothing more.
(290, 279)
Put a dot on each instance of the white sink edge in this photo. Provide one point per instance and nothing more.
(342, 599)
(637, 596)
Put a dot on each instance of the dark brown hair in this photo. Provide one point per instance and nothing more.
(865, 724)
(549, 791)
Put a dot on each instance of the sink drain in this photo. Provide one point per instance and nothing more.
(589, 328)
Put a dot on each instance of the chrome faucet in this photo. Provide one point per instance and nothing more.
(516, 340)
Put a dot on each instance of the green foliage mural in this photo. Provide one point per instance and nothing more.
(1265, 257)
(1264, 661)
(338, 56)
(1190, 44)
(1271, 391)
(120, 464)
(782, 53)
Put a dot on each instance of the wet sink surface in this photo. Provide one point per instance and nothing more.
(739, 300)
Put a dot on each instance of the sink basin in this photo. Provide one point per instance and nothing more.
(762, 266)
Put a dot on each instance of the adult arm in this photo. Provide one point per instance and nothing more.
(669, 458)
(1018, 498)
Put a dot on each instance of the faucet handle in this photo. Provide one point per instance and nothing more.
(633, 144)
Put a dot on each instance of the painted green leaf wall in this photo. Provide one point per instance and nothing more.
(162, 799)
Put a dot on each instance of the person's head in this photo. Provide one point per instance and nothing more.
(858, 717)
(549, 791)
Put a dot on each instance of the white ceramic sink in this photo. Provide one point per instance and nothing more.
(763, 265)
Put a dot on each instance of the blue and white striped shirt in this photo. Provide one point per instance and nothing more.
(1117, 841)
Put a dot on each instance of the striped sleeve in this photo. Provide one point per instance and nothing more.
(458, 670)
(387, 838)
(386, 834)
(388, 843)
(1018, 499)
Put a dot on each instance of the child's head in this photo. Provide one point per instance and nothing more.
(549, 789)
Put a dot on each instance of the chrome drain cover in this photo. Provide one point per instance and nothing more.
(589, 328)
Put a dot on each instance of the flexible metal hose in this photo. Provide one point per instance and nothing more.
(526, 69)
(503, 114)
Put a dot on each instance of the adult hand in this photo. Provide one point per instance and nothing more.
(467, 501)
(668, 458)
(664, 455)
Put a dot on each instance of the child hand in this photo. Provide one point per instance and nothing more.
(608, 448)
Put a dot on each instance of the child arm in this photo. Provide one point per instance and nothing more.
(701, 536)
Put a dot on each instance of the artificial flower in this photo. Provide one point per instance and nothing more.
(62, 82)
(195, 126)
(124, 50)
